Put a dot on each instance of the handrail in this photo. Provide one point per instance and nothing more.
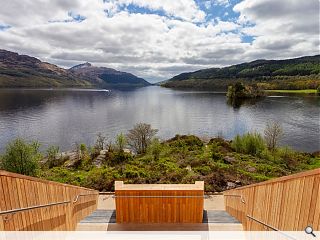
(269, 226)
(82, 195)
(160, 196)
(13, 211)
(32, 207)
(235, 195)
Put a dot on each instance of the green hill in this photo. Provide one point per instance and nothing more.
(298, 73)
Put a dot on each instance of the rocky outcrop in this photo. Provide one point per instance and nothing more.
(101, 158)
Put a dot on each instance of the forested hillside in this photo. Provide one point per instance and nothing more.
(298, 73)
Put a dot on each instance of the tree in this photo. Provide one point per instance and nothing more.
(110, 146)
(52, 154)
(272, 135)
(100, 142)
(140, 137)
(155, 149)
(21, 157)
(121, 142)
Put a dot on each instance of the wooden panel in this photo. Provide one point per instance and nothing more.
(288, 203)
(148, 203)
(19, 191)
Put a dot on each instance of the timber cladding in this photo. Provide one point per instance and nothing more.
(19, 191)
(288, 203)
(159, 203)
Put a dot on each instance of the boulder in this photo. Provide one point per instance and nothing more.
(252, 169)
(231, 185)
(229, 160)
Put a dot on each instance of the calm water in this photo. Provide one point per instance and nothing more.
(63, 117)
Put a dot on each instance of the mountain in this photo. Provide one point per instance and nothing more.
(25, 71)
(280, 73)
(107, 77)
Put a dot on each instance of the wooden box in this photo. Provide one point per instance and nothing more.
(159, 203)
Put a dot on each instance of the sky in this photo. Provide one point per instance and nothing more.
(158, 39)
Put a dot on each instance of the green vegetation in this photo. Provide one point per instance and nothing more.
(21, 157)
(241, 91)
(249, 143)
(304, 91)
(293, 74)
(182, 159)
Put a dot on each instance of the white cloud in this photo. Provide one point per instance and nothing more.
(153, 46)
(183, 9)
(221, 2)
(282, 28)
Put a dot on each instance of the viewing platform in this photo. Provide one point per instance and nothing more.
(289, 203)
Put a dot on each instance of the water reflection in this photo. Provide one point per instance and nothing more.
(63, 117)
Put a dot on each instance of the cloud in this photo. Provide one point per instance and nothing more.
(225, 3)
(158, 39)
(184, 9)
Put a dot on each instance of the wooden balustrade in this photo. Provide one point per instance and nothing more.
(65, 205)
(288, 203)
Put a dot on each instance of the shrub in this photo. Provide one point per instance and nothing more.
(121, 142)
(100, 142)
(215, 149)
(21, 157)
(53, 160)
(155, 149)
(101, 179)
(272, 135)
(249, 143)
(190, 141)
(121, 157)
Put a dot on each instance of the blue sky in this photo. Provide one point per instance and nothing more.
(157, 39)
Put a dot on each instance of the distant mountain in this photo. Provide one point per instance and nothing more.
(107, 77)
(25, 71)
(275, 71)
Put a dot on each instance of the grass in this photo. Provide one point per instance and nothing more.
(305, 91)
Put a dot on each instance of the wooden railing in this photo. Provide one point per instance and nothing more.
(28, 203)
(289, 203)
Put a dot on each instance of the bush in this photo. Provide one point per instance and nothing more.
(121, 158)
(215, 149)
(53, 160)
(21, 157)
(192, 142)
(249, 143)
(155, 149)
(101, 179)
(121, 142)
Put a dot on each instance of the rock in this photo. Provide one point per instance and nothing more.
(98, 161)
(238, 182)
(189, 168)
(229, 160)
(252, 169)
(231, 185)
(103, 152)
(73, 158)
